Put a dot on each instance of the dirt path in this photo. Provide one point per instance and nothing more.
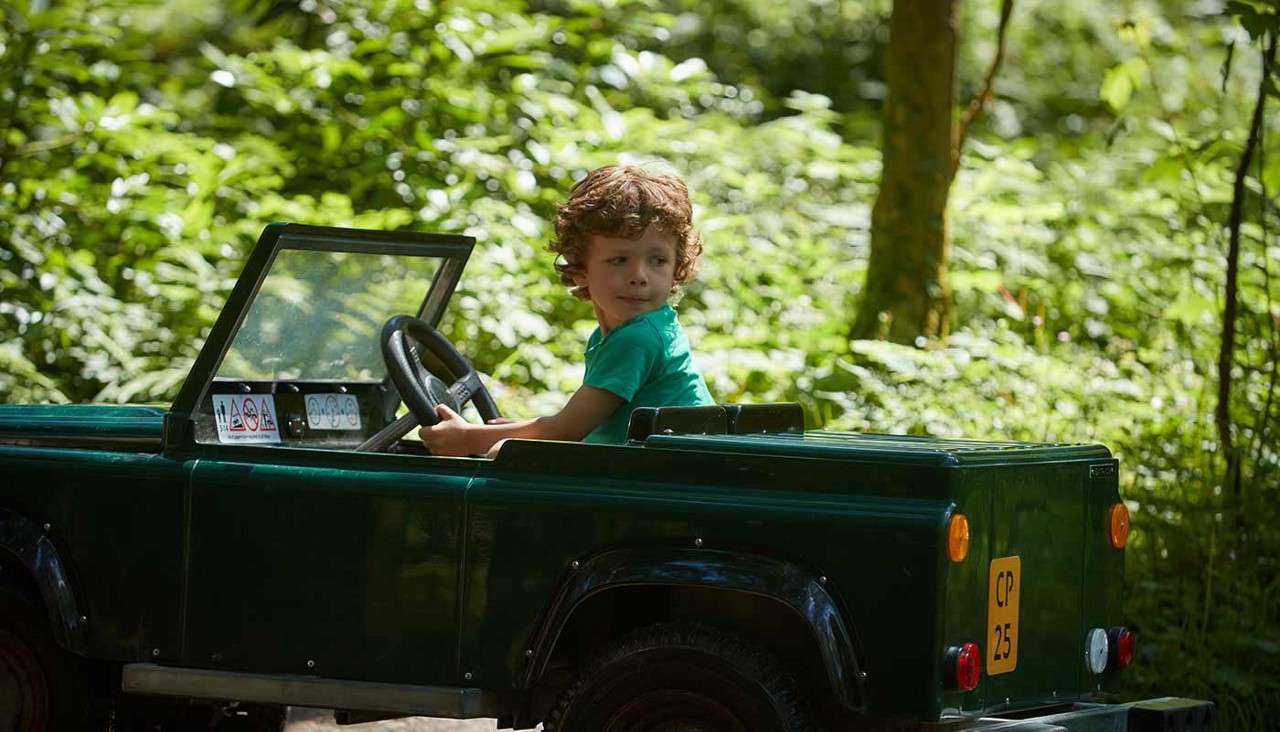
(321, 720)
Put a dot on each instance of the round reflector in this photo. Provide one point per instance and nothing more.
(958, 538)
(1095, 650)
(1118, 525)
(1122, 641)
(964, 663)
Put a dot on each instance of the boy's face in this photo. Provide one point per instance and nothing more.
(628, 277)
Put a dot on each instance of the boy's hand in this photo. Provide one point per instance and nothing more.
(451, 436)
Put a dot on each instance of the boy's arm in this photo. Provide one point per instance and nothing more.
(586, 410)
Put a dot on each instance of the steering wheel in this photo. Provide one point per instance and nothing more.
(402, 338)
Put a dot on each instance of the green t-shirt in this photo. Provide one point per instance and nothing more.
(646, 362)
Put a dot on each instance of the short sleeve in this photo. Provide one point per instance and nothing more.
(622, 362)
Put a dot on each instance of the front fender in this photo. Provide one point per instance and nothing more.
(32, 549)
(803, 592)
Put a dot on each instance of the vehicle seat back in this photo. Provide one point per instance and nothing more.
(726, 419)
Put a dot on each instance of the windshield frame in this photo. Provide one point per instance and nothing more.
(453, 250)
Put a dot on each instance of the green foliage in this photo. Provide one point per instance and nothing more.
(144, 145)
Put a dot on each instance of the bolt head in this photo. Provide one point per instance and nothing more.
(467, 676)
(528, 653)
(574, 564)
(311, 663)
(697, 542)
(155, 651)
(822, 580)
(84, 618)
(48, 526)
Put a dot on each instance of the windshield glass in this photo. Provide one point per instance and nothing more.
(318, 314)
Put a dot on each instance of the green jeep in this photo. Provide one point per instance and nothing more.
(279, 537)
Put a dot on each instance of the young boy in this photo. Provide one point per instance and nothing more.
(627, 240)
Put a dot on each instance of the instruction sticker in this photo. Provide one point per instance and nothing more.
(333, 412)
(246, 418)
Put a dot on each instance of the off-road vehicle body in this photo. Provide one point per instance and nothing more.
(269, 539)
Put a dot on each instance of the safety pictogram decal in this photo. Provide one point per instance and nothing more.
(245, 418)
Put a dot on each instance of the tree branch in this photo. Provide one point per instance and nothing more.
(1263, 428)
(980, 100)
(1222, 415)
(40, 146)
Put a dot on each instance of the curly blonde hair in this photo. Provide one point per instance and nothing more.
(622, 201)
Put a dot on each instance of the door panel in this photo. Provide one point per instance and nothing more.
(340, 573)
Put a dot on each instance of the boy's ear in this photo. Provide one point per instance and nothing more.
(579, 276)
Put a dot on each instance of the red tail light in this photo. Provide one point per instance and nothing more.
(1122, 640)
(964, 666)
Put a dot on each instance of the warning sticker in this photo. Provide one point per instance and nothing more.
(245, 418)
(333, 412)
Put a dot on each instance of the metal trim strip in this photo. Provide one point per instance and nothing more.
(308, 691)
(88, 442)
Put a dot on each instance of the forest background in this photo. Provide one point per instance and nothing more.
(144, 145)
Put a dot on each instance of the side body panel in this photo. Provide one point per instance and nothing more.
(801, 592)
(880, 554)
(116, 521)
(337, 565)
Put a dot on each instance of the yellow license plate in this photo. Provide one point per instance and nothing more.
(1002, 615)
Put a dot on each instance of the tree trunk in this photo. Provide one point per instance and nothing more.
(906, 293)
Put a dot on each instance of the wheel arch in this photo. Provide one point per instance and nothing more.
(27, 551)
(744, 591)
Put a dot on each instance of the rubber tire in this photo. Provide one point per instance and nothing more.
(57, 694)
(642, 682)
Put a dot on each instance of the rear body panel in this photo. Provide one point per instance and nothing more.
(867, 511)
(1051, 516)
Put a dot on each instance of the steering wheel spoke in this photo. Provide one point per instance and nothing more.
(465, 388)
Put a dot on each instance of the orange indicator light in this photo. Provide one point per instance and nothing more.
(1118, 525)
(958, 538)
